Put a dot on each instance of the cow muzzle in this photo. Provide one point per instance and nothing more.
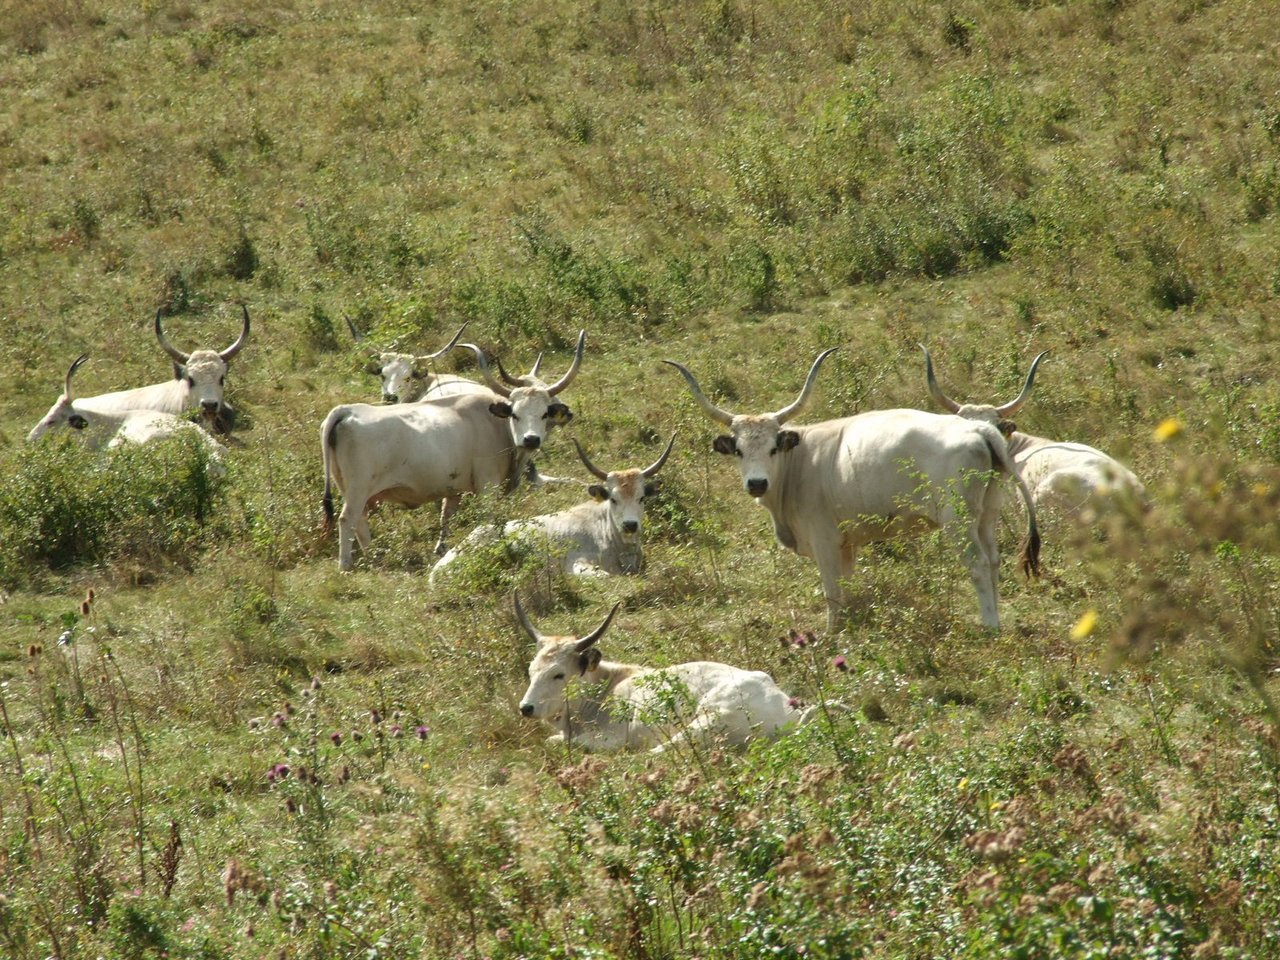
(210, 408)
(531, 441)
(526, 709)
(757, 486)
(631, 527)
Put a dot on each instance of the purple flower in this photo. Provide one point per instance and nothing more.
(277, 772)
(396, 730)
(840, 663)
(336, 737)
(375, 716)
(422, 730)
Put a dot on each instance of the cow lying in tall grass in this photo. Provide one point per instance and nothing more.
(625, 706)
(600, 537)
(113, 428)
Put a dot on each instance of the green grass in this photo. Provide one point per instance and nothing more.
(736, 186)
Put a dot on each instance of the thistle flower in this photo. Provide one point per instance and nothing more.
(336, 737)
(396, 730)
(840, 664)
(421, 731)
(375, 716)
(278, 772)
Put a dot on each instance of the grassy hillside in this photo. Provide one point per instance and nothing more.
(737, 185)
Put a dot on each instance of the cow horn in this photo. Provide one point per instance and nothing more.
(443, 350)
(235, 348)
(177, 355)
(945, 402)
(654, 467)
(523, 617)
(586, 462)
(533, 372)
(483, 364)
(79, 361)
(709, 408)
(787, 412)
(585, 643)
(1012, 407)
(351, 325)
(567, 379)
(513, 381)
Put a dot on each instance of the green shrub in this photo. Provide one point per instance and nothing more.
(63, 506)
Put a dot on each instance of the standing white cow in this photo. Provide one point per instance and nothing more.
(1071, 478)
(628, 706)
(418, 453)
(834, 486)
(406, 377)
(114, 428)
(601, 537)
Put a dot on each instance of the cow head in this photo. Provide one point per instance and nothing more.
(205, 371)
(63, 413)
(997, 416)
(624, 491)
(400, 372)
(558, 660)
(529, 404)
(757, 441)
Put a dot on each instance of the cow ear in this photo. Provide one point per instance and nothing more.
(650, 489)
(597, 492)
(787, 439)
(589, 660)
(500, 409)
(179, 371)
(725, 444)
(1006, 427)
(559, 414)
(77, 422)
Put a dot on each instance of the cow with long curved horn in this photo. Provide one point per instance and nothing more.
(834, 486)
(204, 374)
(436, 449)
(407, 377)
(600, 537)
(112, 428)
(627, 706)
(1069, 478)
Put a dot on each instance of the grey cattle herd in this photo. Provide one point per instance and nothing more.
(830, 488)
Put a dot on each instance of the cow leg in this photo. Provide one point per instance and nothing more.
(448, 507)
(346, 535)
(982, 572)
(835, 565)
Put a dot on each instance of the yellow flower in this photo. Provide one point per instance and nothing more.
(1261, 490)
(1087, 623)
(964, 782)
(1168, 429)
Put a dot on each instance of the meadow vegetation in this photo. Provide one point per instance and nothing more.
(216, 746)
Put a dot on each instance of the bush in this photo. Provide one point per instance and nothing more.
(63, 506)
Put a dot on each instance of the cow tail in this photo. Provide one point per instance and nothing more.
(1029, 555)
(328, 442)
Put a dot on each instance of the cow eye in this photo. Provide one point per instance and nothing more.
(191, 381)
(558, 676)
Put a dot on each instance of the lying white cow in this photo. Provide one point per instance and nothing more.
(407, 378)
(114, 428)
(1071, 478)
(626, 706)
(416, 453)
(600, 537)
(834, 486)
